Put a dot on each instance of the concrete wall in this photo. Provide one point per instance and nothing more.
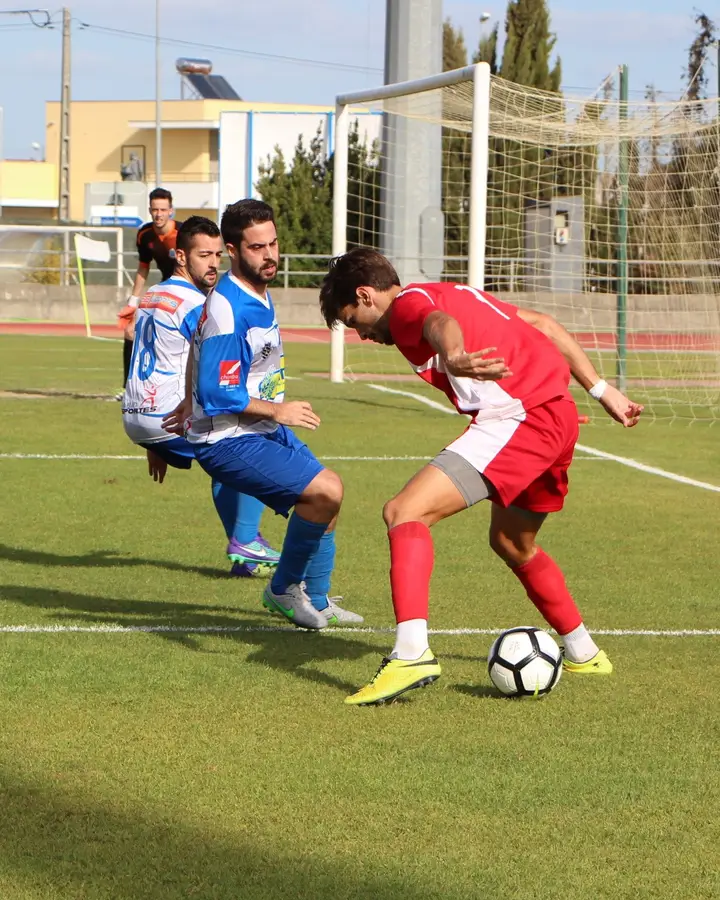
(299, 306)
(53, 303)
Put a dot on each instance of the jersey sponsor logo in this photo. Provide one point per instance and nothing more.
(272, 385)
(229, 373)
(139, 410)
(160, 300)
(266, 350)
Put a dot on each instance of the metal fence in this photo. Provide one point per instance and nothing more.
(45, 254)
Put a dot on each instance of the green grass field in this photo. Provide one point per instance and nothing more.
(177, 763)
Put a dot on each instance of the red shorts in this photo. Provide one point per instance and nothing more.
(526, 459)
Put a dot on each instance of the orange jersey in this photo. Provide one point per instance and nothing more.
(159, 247)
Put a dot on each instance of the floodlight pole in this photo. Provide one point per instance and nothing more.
(64, 167)
(158, 99)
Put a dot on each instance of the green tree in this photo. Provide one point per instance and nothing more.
(487, 50)
(521, 173)
(697, 57)
(454, 51)
(529, 44)
(300, 196)
(455, 165)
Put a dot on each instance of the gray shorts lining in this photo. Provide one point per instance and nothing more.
(472, 484)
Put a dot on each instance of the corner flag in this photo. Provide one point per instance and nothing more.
(93, 251)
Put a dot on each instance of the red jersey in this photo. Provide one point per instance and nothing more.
(540, 372)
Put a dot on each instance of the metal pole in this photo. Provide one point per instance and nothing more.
(339, 232)
(64, 182)
(120, 259)
(158, 99)
(622, 235)
(479, 175)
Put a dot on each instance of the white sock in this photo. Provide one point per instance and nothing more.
(411, 639)
(579, 646)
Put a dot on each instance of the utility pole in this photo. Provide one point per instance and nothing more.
(64, 179)
(158, 99)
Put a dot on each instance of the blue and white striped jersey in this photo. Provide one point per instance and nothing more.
(165, 322)
(238, 354)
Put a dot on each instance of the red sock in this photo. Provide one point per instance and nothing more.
(545, 586)
(411, 564)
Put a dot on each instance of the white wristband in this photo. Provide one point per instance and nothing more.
(134, 302)
(598, 389)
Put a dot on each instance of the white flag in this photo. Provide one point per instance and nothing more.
(94, 251)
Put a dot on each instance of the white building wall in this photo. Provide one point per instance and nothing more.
(247, 139)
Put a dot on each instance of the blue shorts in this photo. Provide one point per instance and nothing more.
(178, 452)
(274, 468)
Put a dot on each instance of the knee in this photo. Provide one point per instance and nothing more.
(511, 553)
(326, 492)
(391, 512)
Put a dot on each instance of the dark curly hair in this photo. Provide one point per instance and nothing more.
(346, 273)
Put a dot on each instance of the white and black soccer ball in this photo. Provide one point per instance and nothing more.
(525, 662)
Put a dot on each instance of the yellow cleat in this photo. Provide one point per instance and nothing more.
(395, 677)
(598, 665)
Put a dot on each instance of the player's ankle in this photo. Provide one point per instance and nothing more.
(579, 646)
(411, 640)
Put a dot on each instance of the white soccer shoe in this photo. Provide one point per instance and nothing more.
(295, 605)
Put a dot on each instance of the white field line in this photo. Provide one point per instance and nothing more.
(279, 629)
(591, 451)
(83, 456)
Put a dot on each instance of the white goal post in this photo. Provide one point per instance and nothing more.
(478, 76)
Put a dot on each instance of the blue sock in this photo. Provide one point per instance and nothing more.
(319, 571)
(302, 540)
(239, 513)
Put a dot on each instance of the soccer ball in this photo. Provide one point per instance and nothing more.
(525, 662)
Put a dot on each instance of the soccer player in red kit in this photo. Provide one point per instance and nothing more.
(509, 369)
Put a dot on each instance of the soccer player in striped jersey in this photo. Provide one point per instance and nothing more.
(509, 369)
(240, 425)
(167, 317)
(155, 242)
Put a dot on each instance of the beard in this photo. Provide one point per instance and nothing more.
(259, 276)
(205, 282)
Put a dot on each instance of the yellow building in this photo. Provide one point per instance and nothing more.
(211, 154)
(103, 135)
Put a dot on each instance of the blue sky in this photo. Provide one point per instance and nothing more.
(651, 36)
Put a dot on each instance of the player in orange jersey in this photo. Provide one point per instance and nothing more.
(155, 241)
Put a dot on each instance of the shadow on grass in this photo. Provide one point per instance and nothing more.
(101, 558)
(482, 691)
(277, 645)
(56, 844)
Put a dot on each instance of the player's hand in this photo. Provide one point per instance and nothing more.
(616, 404)
(126, 319)
(478, 365)
(157, 467)
(175, 421)
(298, 414)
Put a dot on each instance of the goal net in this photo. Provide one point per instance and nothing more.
(603, 213)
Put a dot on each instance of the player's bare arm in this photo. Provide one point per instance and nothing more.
(615, 403)
(294, 413)
(140, 279)
(445, 336)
